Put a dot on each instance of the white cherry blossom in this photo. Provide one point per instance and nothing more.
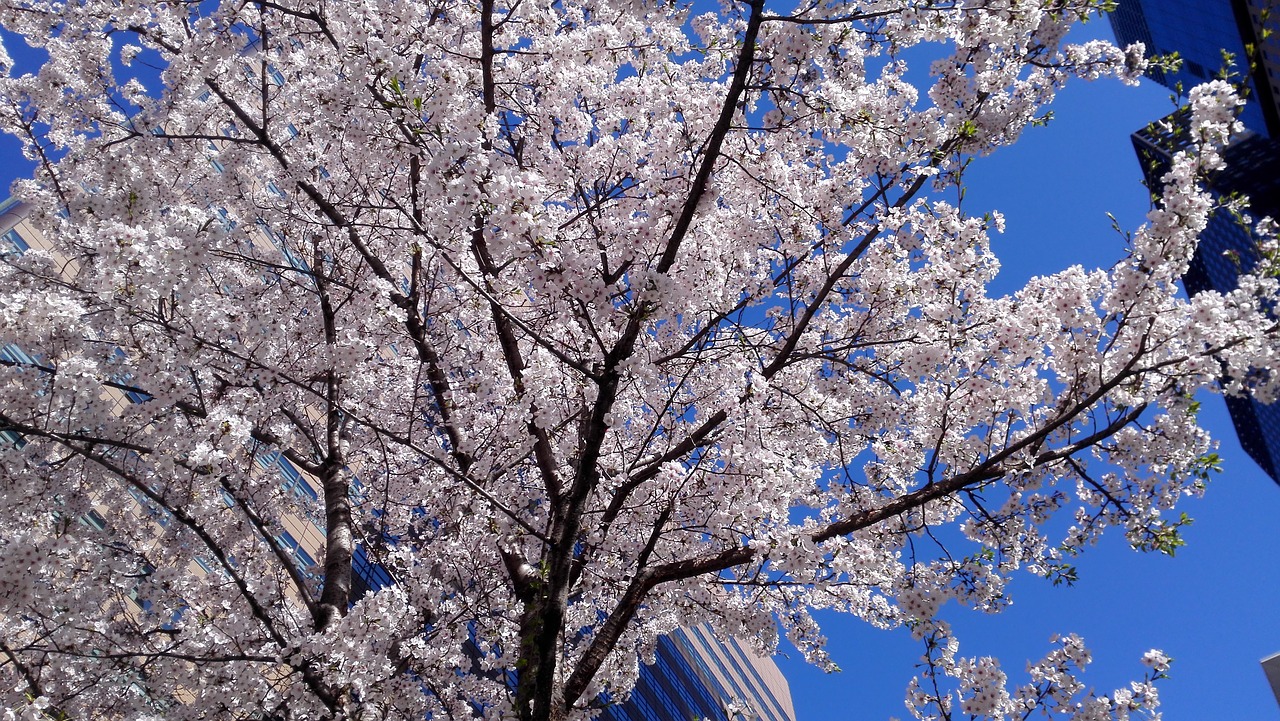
(583, 320)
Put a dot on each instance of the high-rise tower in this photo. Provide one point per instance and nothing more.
(1204, 33)
(695, 674)
(1200, 32)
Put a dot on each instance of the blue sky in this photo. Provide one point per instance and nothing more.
(1213, 607)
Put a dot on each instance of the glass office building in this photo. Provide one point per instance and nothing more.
(697, 676)
(1200, 31)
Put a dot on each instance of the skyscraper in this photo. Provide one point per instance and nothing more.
(1200, 32)
(695, 674)
(1271, 666)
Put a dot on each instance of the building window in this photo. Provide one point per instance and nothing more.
(294, 483)
(225, 217)
(135, 593)
(126, 379)
(94, 520)
(154, 512)
(15, 355)
(302, 560)
(12, 244)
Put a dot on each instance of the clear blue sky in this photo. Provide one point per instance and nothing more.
(1213, 607)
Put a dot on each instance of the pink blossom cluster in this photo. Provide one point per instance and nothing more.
(581, 320)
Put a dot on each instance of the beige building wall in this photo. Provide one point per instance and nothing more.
(17, 234)
(753, 679)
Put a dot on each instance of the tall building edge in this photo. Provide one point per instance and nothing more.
(1257, 23)
(1271, 667)
(697, 675)
(1200, 31)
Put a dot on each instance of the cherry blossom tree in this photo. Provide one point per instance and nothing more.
(587, 319)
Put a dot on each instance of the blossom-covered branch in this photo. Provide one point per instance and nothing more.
(579, 322)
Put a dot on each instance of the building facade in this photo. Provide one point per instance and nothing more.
(695, 676)
(1201, 32)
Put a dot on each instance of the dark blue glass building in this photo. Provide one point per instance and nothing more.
(1200, 31)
